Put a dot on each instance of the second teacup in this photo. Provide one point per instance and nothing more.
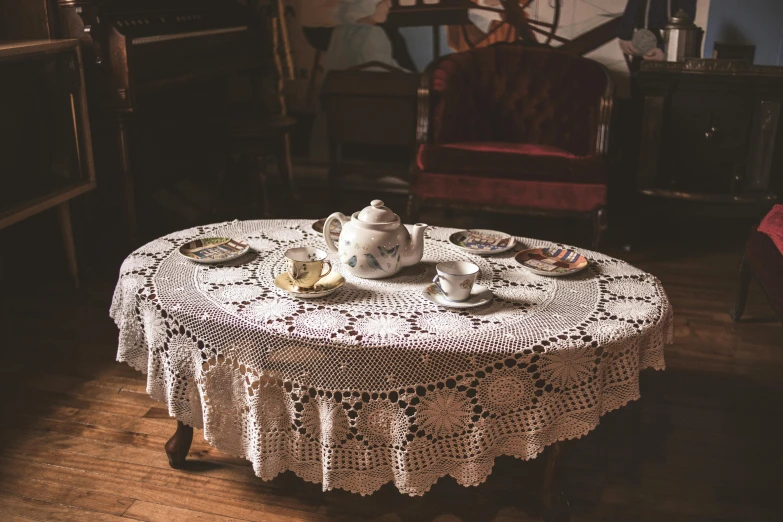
(455, 279)
(306, 266)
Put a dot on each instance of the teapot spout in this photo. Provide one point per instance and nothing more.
(415, 250)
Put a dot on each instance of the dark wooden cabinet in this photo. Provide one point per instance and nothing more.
(45, 142)
(709, 131)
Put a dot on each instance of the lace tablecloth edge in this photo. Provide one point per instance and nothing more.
(658, 366)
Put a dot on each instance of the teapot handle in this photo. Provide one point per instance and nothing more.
(327, 228)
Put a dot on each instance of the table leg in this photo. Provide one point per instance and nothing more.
(178, 445)
(554, 506)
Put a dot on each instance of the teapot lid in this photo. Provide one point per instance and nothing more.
(680, 20)
(376, 213)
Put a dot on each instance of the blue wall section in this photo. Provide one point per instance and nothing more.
(757, 22)
(419, 41)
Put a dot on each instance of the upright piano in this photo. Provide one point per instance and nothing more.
(136, 47)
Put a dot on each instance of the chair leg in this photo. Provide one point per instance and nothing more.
(335, 157)
(599, 226)
(178, 446)
(742, 297)
(414, 203)
(66, 229)
(263, 184)
(554, 506)
(220, 170)
(284, 165)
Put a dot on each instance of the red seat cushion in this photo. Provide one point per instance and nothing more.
(506, 192)
(522, 161)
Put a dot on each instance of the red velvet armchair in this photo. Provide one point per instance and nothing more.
(514, 128)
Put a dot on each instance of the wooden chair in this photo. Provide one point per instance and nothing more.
(254, 135)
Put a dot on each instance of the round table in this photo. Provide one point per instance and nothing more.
(375, 383)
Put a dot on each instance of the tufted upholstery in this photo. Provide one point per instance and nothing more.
(514, 125)
(517, 94)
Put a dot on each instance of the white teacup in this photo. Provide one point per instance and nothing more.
(455, 279)
(306, 266)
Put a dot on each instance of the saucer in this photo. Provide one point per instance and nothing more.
(479, 296)
(324, 287)
(213, 250)
(482, 242)
(552, 262)
(334, 229)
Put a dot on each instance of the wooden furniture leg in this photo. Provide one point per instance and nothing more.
(255, 179)
(284, 165)
(263, 184)
(742, 297)
(599, 226)
(66, 229)
(127, 182)
(554, 506)
(178, 445)
(335, 157)
(413, 208)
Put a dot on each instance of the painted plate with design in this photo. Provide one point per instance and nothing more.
(482, 242)
(552, 262)
(211, 250)
(334, 229)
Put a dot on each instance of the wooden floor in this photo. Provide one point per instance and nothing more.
(81, 440)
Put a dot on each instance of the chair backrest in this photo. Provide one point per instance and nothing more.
(521, 94)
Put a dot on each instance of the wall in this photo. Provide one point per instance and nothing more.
(576, 17)
(419, 41)
(758, 22)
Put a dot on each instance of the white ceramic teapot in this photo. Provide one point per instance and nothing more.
(374, 243)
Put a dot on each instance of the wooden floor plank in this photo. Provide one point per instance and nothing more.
(148, 512)
(32, 509)
(179, 492)
(204, 457)
(18, 484)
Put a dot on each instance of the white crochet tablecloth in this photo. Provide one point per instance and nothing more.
(375, 383)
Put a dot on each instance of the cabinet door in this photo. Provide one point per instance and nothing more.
(39, 144)
(705, 140)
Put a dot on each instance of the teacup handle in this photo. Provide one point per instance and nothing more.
(436, 281)
(328, 267)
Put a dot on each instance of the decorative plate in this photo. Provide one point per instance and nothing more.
(553, 262)
(213, 250)
(328, 284)
(479, 296)
(336, 227)
(482, 242)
